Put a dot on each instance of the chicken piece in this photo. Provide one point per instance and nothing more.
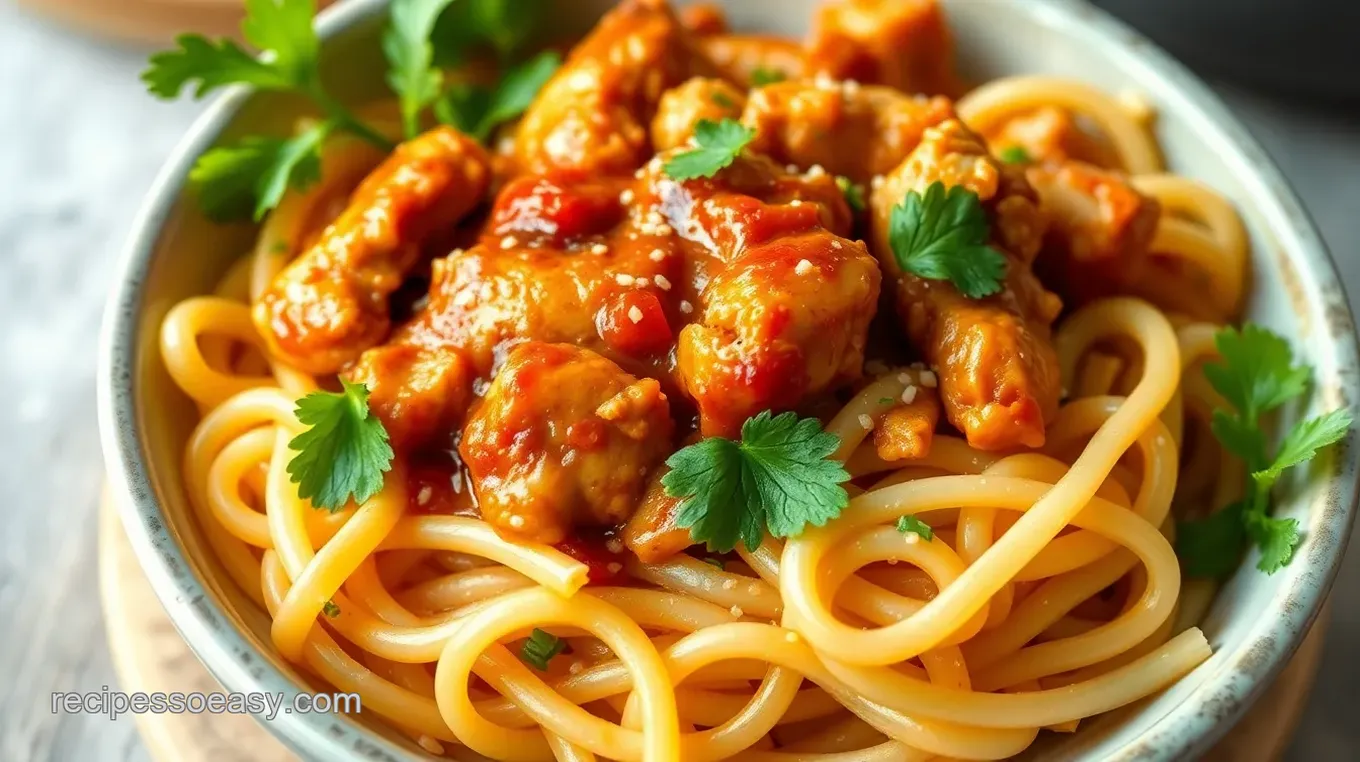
(784, 319)
(563, 438)
(1049, 135)
(417, 392)
(742, 57)
(847, 129)
(998, 372)
(683, 107)
(703, 19)
(593, 114)
(331, 303)
(1100, 233)
(907, 431)
(652, 533)
(904, 44)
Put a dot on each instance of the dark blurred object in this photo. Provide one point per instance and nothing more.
(1302, 48)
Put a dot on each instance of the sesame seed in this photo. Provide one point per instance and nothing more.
(849, 87)
(736, 611)
(796, 203)
(792, 637)
(729, 584)
(657, 255)
(623, 279)
(928, 379)
(904, 378)
(464, 298)
(911, 537)
(686, 307)
(635, 314)
(614, 567)
(599, 248)
(575, 667)
(641, 173)
(816, 170)
(662, 282)
(641, 281)
(803, 267)
(753, 589)
(626, 197)
(509, 242)
(614, 545)
(791, 169)
(909, 395)
(517, 521)
(423, 497)
(876, 182)
(866, 422)
(892, 562)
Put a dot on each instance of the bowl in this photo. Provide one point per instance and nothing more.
(1255, 623)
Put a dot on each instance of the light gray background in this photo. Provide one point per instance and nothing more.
(79, 144)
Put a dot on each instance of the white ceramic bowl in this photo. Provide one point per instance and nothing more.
(1257, 620)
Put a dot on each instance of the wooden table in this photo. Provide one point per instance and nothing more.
(79, 144)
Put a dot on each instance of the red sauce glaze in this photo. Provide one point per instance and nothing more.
(556, 208)
(591, 549)
(649, 334)
(436, 485)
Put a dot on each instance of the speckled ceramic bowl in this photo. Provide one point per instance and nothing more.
(1257, 620)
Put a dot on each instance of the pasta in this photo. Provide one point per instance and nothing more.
(1047, 592)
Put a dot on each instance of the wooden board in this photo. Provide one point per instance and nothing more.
(150, 656)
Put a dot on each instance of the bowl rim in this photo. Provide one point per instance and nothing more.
(1188, 729)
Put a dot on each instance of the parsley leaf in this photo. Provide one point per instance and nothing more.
(1014, 155)
(212, 66)
(719, 145)
(916, 526)
(504, 25)
(1212, 546)
(478, 111)
(410, 57)
(854, 194)
(778, 476)
(344, 452)
(942, 235)
(330, 609)
(762, 76)
(1303, 442)
(1257, 374)
(1277, 539)
(540, 648)
(249, 178)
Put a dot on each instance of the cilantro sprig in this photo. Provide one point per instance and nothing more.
(249, 177)
(942, 235)
(719, 144)
(761, 76)
(477, 111)
(777, 477)
(1257, 375)
(1014, 155)
(344, 452)
(540, 648)
(854, 194)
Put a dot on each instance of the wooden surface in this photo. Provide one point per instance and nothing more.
(149, 655)
(80, 142)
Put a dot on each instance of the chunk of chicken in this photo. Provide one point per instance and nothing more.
(685, 106)
(331, 303)
(1100, 233)
(907, 430)
(741, 57)
(848, 129)
(593, 114)
(563, 438)
(419, 393)
(651, 533)
(998, 373)
(904, 44)
(783, 320)
(1048, 135)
